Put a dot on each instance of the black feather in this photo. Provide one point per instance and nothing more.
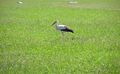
(67, 30)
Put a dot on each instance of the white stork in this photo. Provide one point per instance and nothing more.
(62, 28)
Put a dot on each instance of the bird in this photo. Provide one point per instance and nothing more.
(73, 2)
(20, 2)
(62, 28)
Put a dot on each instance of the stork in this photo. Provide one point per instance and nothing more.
(61, 27)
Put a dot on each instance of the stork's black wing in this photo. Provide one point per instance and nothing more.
(67, 30)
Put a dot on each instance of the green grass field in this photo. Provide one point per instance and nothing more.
(30, 45)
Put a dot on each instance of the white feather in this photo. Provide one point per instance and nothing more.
(59, 27)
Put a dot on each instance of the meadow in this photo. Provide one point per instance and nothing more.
(30, 45)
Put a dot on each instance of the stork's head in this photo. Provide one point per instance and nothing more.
(55, 22)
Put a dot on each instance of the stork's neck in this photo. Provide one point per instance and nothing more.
(57, 24)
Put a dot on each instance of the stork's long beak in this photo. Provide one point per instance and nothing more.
(54, 22)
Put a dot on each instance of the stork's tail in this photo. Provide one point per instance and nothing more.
(71, 31)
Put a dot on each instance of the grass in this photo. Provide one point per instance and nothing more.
(30, 45)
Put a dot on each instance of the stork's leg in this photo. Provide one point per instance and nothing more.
(62, 33)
